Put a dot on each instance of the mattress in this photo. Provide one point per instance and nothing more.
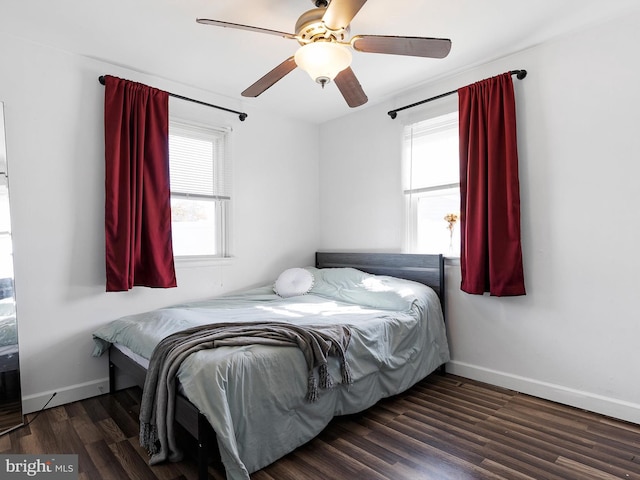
(139, 359)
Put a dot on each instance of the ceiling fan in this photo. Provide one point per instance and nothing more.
(325, 52)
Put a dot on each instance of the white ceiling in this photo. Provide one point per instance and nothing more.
(161, 37)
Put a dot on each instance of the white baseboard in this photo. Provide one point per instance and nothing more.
(611, 407)
(33, 403)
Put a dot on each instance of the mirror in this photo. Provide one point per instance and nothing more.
(10, 393)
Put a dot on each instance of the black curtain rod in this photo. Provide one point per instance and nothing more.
(241, 115)
(520, 74)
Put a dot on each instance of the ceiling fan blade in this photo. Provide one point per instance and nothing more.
(218, 23)
(270, 78)
(412, 46)
(340, 13)
(350, 88)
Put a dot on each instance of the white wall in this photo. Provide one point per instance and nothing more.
(574, 337)
(54, 127)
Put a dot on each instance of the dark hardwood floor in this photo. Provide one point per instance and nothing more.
(445, 427)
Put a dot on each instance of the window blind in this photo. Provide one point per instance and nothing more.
(430, 146)
(198, 166)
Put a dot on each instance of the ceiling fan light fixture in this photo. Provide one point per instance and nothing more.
(323, 60)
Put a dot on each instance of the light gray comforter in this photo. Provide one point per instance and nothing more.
(254, 396)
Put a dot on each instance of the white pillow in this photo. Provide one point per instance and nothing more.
(293, 281)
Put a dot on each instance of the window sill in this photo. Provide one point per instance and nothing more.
(193, 261)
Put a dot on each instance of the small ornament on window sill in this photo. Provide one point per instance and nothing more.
(451, 219)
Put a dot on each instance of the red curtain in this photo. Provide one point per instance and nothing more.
(139, 250)
(491, 252)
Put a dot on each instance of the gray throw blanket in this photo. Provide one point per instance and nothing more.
(157, 406)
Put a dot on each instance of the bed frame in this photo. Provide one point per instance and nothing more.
(426, 269)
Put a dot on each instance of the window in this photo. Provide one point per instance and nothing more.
(432, 185)
(200, 184)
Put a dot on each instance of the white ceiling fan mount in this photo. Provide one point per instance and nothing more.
(310, 28)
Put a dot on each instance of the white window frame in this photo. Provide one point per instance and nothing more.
(413, 195)
(221, 190)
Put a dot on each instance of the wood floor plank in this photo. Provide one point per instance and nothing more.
(328, 461)
(111, 433)
(290, 468)
(441, 405)
(513, 462)
(442, 424)
(616, 434)
(587, 472)
(371, 458)
(341, 434)
(459, 446)
(539, 434)
(528, 462)
(474, 397)
(69, 442)
(613, 451)
(262, 475)
(381, 414)
(105, 461)
(164, 471)
(95, 409)
(5, 443)
(505, 471)
(449, 461)
(455, 402)
(126, 420)
(86, 429)
(58, 414)
(131, 462)
(42, 429)
(613, 424)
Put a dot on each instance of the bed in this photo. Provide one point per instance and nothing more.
(250, 403)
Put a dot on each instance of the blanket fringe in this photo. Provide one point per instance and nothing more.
(325, 379)
(149, 438)
(347, 378)
(326, 382)
(312, 388)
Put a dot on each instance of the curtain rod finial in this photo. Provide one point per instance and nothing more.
(521, 74)
(393, 114)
